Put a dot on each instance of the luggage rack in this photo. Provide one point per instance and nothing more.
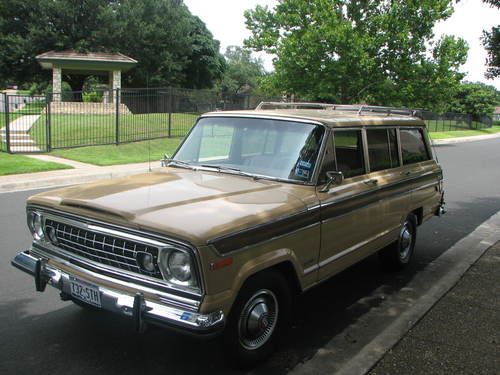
(360, 109)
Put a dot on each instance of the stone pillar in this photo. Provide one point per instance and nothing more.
(116, 83)
(56, 84)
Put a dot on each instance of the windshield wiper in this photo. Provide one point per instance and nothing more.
(230, 169)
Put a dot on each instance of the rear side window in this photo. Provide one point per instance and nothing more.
(349, 152)
(413, 148)
(382, 149)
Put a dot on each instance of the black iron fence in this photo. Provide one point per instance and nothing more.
(76, 119)
(454, 121)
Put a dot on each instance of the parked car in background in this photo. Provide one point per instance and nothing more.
(253, 208)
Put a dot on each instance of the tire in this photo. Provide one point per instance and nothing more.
(397, 255)
(260, 314)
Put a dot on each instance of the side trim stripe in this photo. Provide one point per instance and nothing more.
(348, 251)
(318, 213)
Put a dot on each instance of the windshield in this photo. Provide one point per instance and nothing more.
(264, 147)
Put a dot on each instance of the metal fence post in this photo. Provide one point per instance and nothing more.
(7, 125)
(48, 130)
(170, 105)
(117, 117)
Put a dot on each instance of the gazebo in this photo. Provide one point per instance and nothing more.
(112, 64)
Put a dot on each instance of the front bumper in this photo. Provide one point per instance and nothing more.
(119, 298)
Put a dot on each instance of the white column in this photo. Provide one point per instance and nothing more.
(56, 84)
(116, 83)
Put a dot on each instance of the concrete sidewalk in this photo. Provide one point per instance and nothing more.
(460, 334)
(383, 335)
(447, 141)
(80, 174)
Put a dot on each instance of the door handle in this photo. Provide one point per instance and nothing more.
(405, 173)
(373, 181)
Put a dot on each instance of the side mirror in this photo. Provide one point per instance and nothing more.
(165, 160)
(334, 178)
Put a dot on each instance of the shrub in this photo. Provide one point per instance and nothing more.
(92, 97)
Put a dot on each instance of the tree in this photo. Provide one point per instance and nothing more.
(359, 51)
(173, 47)
(243, 71)
(491, 41)
(477, 99)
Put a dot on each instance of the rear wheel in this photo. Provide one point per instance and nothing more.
(259, 316)
(398, 254)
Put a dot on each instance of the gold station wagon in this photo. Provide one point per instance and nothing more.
(253, 208)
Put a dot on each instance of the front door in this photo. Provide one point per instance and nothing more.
(350, 211)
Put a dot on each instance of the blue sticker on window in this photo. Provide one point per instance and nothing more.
(302, 169)
(304, 164)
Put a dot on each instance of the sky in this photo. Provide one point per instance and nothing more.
(224, 18)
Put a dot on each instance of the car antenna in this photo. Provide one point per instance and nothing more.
(149, 155)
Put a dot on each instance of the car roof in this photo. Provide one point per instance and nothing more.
(328, 117)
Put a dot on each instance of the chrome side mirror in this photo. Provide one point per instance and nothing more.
(334, 178)
(164, 161)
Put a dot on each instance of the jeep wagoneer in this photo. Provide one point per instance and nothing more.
(253, 208)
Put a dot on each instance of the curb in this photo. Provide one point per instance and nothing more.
(447, 141)
(452, 264)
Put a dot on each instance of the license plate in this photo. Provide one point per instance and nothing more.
(85, 292)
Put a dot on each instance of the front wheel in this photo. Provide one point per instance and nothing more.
(398, 254)
(260, 314)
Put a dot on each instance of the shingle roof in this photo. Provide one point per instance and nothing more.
(86, 56)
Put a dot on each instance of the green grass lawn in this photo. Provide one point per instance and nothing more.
(125, 153)
(451, 125)
(12, 117)
(464, 133)
(14, 164)
(80, 130)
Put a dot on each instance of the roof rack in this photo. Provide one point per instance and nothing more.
(293, 105)
(360, 109)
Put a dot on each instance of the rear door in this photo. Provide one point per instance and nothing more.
(393, 188)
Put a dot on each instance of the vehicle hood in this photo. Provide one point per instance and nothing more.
(194, 206)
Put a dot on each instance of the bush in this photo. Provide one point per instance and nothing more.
(92, 97)
(46, 89)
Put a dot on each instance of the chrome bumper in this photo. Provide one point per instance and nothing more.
(142, 310)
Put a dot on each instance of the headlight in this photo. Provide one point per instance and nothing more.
(180, 265)
(177, 267)
(35, 225)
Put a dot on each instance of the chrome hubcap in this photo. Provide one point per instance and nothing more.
(258, 319)
(405, 242)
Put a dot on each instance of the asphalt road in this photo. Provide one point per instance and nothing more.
(40, 334)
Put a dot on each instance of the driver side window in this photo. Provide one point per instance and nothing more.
(348, 148)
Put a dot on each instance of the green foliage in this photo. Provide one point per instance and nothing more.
(476, 99)
(359, 51)
(491, 42)
(45, 89)
(242, 73)
(173, 47)
(92, 97)
(93, 90)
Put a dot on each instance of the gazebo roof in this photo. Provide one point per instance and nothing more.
(80, 62)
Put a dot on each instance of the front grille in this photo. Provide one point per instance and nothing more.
(101, 248)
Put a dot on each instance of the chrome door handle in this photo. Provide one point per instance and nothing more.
(373, 181)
